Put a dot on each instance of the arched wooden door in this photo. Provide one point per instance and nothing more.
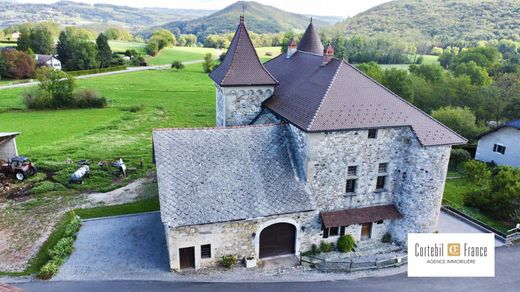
(277, 239)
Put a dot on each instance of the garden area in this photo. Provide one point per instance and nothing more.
(486, 193)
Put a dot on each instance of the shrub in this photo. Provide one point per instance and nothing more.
(46, 186)
(208, 63)
(73, 227)
(478, 173)
(136, 108)
(63, 248)
(313, 251)
(346, 243)
(49, 270)
(326, 247)
(269, 53)
(89, 98)
(177, 65)
(458, 156)
(35, 99)
(387, 238)
(228, 261)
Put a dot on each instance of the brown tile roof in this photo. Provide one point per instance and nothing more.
(241, 65)
(310, 41)
(359, 216)
(338, 96)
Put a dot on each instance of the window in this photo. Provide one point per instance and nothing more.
(499, 148)
(342, 231)
(205, 251)
(379, 222)
(334, 231)
(383, 168)
(352, 171)
(351, 185)
(372, 134)
(381, 182)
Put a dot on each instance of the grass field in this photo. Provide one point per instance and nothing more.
(183, 54)
(176, 99)
(427, 59)
(121, 46)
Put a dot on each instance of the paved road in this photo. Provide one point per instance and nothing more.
(128, 70)
(452, 224)
(507, 279)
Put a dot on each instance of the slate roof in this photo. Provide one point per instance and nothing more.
(337, 96)
(226, 174)
(359, 216)
(42, 59)
(310, 41)
(241, 65)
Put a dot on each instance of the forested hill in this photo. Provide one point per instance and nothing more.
(75, 13)
(439, 22)
(259, 18)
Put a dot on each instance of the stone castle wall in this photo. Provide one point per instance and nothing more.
(240, 105)
(415, 175)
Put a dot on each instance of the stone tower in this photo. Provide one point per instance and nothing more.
(242, 83)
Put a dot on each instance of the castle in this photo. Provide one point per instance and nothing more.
(307, 148)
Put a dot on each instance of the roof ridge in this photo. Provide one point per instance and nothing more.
(407, 102)
(324, 96)
(219, 128)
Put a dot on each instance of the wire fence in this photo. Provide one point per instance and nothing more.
(351, 266)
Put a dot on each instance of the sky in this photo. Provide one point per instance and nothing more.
(342, 8)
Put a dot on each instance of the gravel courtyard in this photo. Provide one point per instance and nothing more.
(120, 247)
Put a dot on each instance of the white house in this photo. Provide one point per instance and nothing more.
(8, 146)
(501, 145)
(48, 61)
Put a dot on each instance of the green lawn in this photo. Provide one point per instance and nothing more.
(121, 46)
(454, 191)
(138, 102)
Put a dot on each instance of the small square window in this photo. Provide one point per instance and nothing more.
(351, 186)
(334, 231)
(372, 134)
(383, 168)
(205, 251)
(381, 182)
(352, 171)
(499, 148)
(342, 231)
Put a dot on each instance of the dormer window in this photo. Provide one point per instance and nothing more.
(372, 134)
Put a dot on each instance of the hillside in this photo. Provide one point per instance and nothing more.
(73, 13)
(259, 18)
(439, 22)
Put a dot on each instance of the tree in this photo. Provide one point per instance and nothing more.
(3, 69)
(446, 59)
(430, 72)
(500, 97)
(24, 41)
(373, 70)
(84, 56)
(163, 38)
(485, 57)
(78, 32)
(104, 51)
(191, 40)
(57, 86)
(64, 49)
(118, 34)
(152, 48)
(18, 64)
(478, 75)
(399, 82)
(177, 65)
(208, 63)
(460, 120)
(41, 41)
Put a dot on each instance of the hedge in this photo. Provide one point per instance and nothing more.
(96, 71)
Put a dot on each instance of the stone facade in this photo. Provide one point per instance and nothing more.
(239, 238)
(415, 174)
(240, 105)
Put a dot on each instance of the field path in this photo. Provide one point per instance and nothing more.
(128, 70)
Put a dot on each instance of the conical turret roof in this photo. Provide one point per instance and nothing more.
(241, 66)
(311, 41)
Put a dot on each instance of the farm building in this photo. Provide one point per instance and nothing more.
(501, 145)
(48, 61)
(307, 149)
(8, 147)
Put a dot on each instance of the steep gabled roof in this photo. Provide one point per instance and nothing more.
(337, 96)
(512, 124)
(311, 41)
(241, 65)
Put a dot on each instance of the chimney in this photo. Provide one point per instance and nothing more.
(291, 48)
(328, 54)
